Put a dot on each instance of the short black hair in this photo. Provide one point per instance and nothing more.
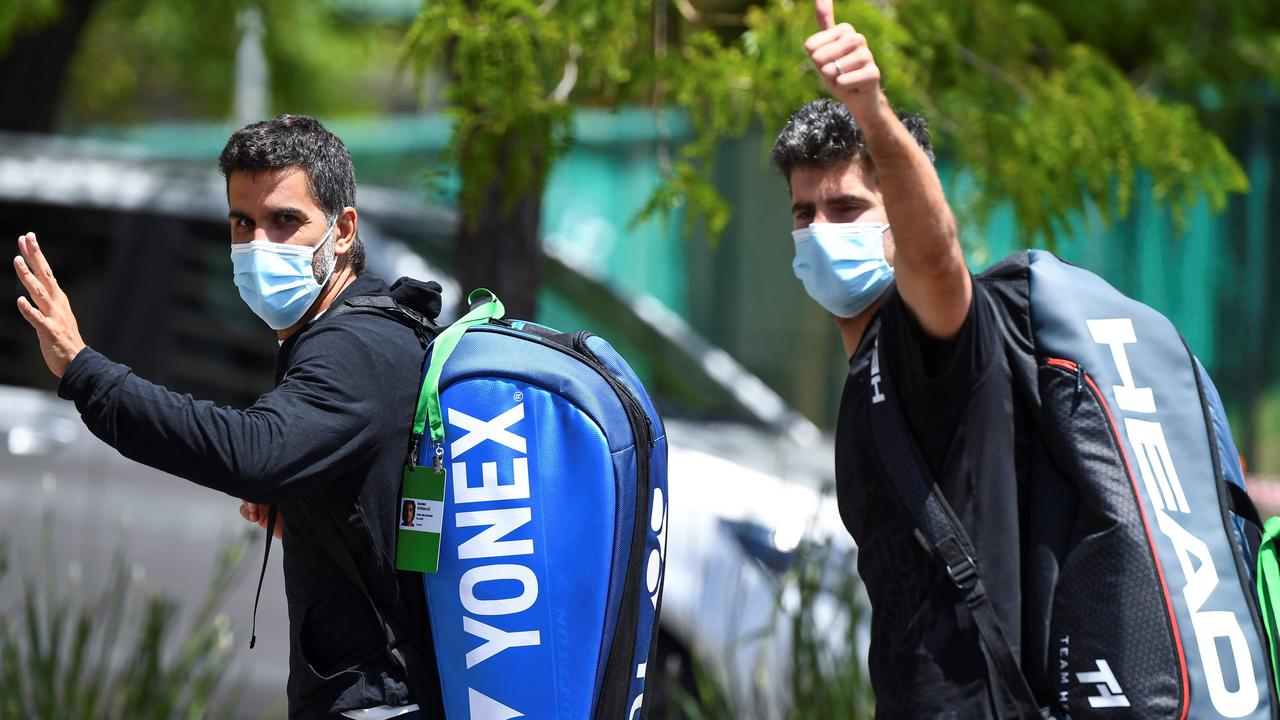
(289, 141)
(823, 133)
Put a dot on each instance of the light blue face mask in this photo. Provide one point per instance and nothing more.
(842, 265)
(276, 280)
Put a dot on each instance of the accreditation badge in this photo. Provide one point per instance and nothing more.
(421, 517)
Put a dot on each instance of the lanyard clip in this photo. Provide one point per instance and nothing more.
(415, 443)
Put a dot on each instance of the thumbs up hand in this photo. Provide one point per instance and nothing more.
(848, 69)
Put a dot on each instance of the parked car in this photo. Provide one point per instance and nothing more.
(141, 250)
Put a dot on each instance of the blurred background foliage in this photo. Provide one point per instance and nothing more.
(120, 651)
(1132, 136)
(1054, 106)
(820, 601)
(146, 61)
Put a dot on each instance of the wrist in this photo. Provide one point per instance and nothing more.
(78, 373)
(873, 114)
(70, 357)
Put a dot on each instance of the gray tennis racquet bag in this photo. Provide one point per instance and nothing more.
(1154, 613)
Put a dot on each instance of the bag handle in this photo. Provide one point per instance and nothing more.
(427, 414)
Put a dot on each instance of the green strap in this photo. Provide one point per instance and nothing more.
(1269, 589)
(442, 348)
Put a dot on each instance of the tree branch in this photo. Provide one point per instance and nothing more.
(570, 77)
(660, 30)
(696, 17)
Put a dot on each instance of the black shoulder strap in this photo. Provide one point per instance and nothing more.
(1241, 504)
(423, 678)
(386, 306)
(943, 536)
(266, 553)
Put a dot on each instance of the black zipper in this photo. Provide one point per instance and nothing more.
(583, 353)
(617, 672)
(1081, 380)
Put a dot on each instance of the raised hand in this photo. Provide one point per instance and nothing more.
(842, 57)
(50, 315)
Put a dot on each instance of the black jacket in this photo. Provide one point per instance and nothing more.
(337, 424)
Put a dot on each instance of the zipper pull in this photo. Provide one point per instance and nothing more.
(1079, 380)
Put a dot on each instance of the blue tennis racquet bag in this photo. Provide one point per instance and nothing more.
(541, 483)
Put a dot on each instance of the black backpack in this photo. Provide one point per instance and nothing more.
(1154, 611)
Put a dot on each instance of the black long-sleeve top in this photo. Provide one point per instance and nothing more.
(337, 424)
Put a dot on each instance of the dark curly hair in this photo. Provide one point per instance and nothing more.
(300, 141)
(823, 133)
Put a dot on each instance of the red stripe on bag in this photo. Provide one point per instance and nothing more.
(1133, 481)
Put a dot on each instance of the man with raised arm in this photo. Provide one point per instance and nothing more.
(876, 245)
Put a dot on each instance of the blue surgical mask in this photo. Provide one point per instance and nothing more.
(277, 281)
(842, 265)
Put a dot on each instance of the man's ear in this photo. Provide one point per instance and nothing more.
(344, 231)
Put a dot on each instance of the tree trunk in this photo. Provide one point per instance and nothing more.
(33, 72)
(502, 250)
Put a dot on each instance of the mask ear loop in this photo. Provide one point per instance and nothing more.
(328, 235)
